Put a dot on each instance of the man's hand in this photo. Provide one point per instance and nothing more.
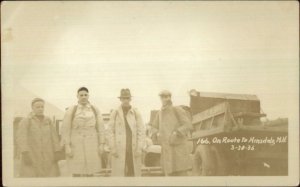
(58, 155)
(26, 158)
(101, 149)
(177, 133)
(114, 152)
(68, 150)
(138, 153)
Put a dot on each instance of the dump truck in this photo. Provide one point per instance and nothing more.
(230, 137)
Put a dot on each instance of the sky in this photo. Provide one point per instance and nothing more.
(53, 48)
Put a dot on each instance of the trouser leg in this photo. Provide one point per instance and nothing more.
(179, 173)
(129, 170)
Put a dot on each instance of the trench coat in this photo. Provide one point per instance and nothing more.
(175, 158)
(40, 139)
(117, 140)
(82, 136)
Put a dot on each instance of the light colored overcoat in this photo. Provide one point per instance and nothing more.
(82, 136)
(117, 140)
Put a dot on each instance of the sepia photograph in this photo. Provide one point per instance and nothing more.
(150, 93)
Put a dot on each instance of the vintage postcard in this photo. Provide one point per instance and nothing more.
(150, 93)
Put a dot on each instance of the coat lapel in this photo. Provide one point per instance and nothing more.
(130, 116)
(120, 113)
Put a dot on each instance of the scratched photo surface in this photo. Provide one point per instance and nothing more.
(150, 93)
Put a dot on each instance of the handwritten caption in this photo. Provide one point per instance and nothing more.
(243, 143)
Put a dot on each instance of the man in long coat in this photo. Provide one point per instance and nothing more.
(126, 138)
(83, 136)
(38, 143)
(172, 125)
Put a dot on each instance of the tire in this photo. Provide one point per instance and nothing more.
(220, 161)
(208, 161)
(152, 160)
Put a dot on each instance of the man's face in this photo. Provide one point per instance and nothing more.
(125, 101)
(83, 97)
(38, 108)
(165, 99)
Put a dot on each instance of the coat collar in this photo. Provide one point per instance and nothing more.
(84, 106)
(32, 115)
(120, 110)
(166, 106)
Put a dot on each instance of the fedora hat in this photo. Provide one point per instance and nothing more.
(125, 93)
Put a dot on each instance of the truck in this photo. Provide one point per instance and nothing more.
(230, 138)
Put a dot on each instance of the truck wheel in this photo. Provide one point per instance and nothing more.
(208, 161)
(219, 160)
(203, 162)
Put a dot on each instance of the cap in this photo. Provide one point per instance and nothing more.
(37, 100)
(165, 93)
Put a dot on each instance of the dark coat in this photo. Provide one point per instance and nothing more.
(174, 157)
(40, 140)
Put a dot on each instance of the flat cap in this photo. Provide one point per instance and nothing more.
(37, 100)
(165, 92)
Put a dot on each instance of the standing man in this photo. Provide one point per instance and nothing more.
(83, 136)
(172, 125)
(126, 138)
(38, 143)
